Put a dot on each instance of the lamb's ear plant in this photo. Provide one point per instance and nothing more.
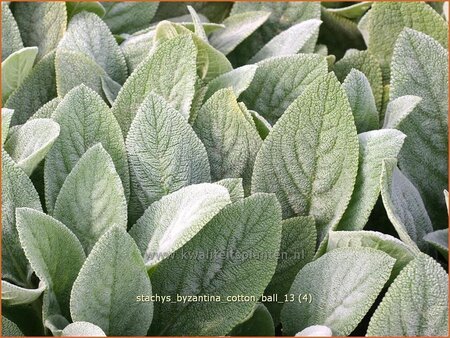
(224, 169)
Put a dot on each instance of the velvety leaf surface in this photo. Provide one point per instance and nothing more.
(362, 101)
(315, 331)
(89, 35)
(387, 20)
(36, 89)
(439, 240)
(395, 248)
(11, 38)
(230, 140)
(404, 206)
(419, 67)
(374, 146)
(41, 24)
(365, 63)
(169, 72)
(300, 38)
(106, 289)
(15, 68)
(343, 285)
(6, 121)
(9, 328)
(55, 254)
(235, 228)
(16, 295)
(398, 109)
(415, 304)
(17, 191)
(30, 143)
(237, 28)
(123, 17)
(84, 120)
(312, 167)
(176, 218)
(82, 329)
(74, 69)
(234, 187)
(92, 198)
(238, 79)
(163, 151)
(283, 15)
(279, 81)
(210, 62)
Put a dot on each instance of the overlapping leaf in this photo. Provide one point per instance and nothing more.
(92, 199)
(106, 289)
(163, 151)
(84, 120)
(312, 167)
(343, 285)
(419, 67)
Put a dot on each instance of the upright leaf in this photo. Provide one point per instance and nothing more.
(30, 143)
(416, 304)
(15, 68)
(419, 67)
(84, 120)
(210, 62)
(365, 63)
(362, 101)
(55, 254)
(163, 151)
(404, 206)
(204, 267)
(92, 198)
(11, 40)
(300, 38)
(283, 15)
(128, 17)
(387, 20)
(398, 109)
(238, 27)
(36, 89)
(169, 71)
(279, 81)
(41, 24)
(374, 146)
(107, 290)
(238, 79)
(136, 48)
(17, 192)
(74, 69)
(89, 35)
(176, 218)
(230, 140)
(342, 286)
(298, 243)
(310, 158)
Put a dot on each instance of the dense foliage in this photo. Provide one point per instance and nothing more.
(224, 169)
